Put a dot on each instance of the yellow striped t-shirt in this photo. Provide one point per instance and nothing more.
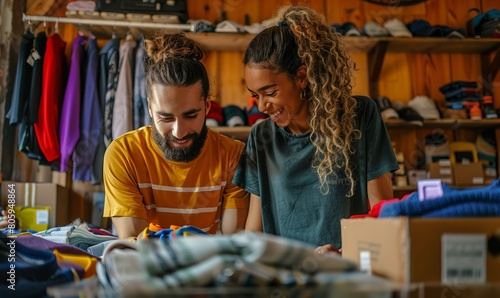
(139, 182)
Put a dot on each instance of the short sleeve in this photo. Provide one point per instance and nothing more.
(235, 197)
(246, 175)
(122, 196)
(380, 154)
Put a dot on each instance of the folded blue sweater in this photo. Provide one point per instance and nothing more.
(469, 202)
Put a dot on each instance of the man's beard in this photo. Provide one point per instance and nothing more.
(181, 154)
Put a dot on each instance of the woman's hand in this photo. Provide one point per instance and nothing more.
(3, 220)
(327, 249)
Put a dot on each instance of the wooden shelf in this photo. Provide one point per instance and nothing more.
(400, 123)
(467, 123)
(442, 123)
(222, 41)
(242, 132)
(239, 41)
(442, 45)
(237, 132)
(363, 44)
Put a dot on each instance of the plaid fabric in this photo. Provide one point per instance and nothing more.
(240, 259)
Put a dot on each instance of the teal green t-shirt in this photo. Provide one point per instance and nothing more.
(276, 166)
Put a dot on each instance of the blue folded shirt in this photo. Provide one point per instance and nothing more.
(470, 202)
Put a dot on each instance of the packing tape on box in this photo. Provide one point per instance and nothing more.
(30, 194)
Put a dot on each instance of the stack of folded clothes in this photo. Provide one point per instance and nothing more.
(457, 93)
(159, 266)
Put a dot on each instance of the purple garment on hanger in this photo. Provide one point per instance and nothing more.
(69, 127)
(90, 132)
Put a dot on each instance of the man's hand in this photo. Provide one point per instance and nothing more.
(129, 227)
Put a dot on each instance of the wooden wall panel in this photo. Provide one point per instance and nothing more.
(463, 67)
(45, 7)
(435, 12)
(429, 72)
(381, 14)
(404, 140)
(236, 10)
(268, 8)
(360, 79)
(232, 88)
(345, 11)
(395, 78)
(318, 5)
(485, 6)
(209, 10)
(211, 64)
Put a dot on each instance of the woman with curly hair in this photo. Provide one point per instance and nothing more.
(323, 154)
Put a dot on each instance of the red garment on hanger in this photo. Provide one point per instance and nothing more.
(53, 86)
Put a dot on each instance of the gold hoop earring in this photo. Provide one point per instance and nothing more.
(303, 94)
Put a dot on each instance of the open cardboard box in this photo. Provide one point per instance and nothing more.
(409, 250)
(50, 195)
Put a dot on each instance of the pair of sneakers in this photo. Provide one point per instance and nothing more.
(385, 107)
(396, 110)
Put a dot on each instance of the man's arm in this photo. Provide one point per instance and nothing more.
(380, 189)
(128, 227)
(254, 219)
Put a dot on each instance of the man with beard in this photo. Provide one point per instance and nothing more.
(176, 171)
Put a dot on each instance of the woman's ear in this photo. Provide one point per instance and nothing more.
(301, 77)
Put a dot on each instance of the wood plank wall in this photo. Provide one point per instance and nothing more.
(403, 76)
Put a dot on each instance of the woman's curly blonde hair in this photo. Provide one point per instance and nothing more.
(302, 37)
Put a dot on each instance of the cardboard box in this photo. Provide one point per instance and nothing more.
(40, 195)
(468, 174)
(415, 175)
(33, 218)
(442, 170)
(410, 250)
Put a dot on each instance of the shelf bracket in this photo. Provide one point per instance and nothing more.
(375, 62)
(489, 70)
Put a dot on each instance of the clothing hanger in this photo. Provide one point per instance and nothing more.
(80, 31)
(29, 27)
(130, 36)
(91, 35)
(56, 27)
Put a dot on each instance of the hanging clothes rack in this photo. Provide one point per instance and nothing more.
(102, 22)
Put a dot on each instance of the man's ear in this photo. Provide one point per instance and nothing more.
(149, 109)
(301, 77)
(208, 105)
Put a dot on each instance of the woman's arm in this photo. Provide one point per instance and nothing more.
(254, 219)
(233, 220)
(380, 189)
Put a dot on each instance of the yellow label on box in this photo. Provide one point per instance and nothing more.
(33, 218)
